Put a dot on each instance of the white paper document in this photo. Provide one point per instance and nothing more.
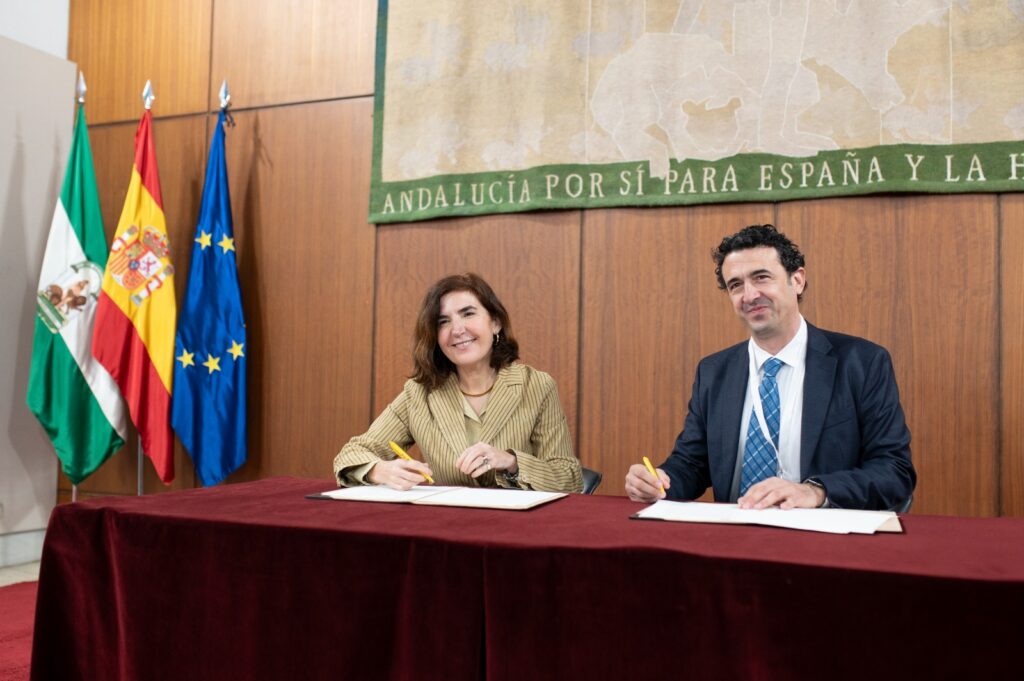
(384, 494)
(469, 497)
(833, 520)
(478, 497)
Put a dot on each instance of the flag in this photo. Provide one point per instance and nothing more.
(208, 407)
(135, 316)
(74, 398)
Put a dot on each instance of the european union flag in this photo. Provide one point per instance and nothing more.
(208, 403)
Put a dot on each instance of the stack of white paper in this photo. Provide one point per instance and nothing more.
(834, 520)
(469, 497)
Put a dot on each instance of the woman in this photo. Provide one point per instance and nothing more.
(479, 418)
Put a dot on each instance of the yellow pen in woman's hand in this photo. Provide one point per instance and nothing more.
(402, 455)
(647, 462)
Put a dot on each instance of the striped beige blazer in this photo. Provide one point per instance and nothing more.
(523, 416)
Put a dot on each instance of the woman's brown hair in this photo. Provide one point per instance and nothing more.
(432, 368)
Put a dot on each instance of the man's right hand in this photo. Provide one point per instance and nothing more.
(399, 474)
(641, 486)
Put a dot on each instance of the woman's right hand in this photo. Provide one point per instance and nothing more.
(399, 474)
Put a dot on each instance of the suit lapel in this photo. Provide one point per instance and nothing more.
(819, 380)
(507, 393)
(727, 414)
(446, 407)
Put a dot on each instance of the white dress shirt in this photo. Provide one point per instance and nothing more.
(790, 380)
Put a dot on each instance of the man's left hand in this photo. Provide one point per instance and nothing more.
(782, 493)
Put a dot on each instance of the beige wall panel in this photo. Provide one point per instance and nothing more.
(181, 159)
(532, 262)
(918, 276)
(300, 190)
(293, 51)
(651, 310)
(120, 44)
(1012, 370)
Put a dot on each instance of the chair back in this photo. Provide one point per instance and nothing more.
(591, 480)
(900, 508)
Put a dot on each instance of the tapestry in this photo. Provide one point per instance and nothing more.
(496, 107)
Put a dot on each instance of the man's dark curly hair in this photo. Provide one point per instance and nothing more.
(756, 236)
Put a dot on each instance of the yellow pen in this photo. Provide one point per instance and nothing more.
(647, 462)
(402, 455)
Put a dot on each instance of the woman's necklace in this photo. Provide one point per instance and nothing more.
(478, 394)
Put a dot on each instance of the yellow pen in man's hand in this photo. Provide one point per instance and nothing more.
(402, 455)
(647, 462)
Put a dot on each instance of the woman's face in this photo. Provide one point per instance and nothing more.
(465, 330)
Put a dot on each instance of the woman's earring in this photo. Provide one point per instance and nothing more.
(497, 338)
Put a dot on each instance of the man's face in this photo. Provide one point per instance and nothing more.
(763, 294)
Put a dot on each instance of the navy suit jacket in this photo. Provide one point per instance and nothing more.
(855, 440)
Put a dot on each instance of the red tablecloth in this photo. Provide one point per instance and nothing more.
(253, 581)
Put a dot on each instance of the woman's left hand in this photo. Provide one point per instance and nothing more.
(482, 457)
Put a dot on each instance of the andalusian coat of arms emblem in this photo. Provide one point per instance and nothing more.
(63, 299)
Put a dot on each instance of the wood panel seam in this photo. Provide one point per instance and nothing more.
(579, 338)
(1000, 413)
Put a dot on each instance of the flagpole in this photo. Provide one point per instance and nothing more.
(80, 90)
(138, 466)
(147, 99)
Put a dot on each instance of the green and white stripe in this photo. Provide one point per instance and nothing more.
(71, 394)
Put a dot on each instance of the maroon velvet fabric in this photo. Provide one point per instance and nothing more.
(254, 581)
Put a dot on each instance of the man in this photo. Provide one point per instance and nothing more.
(796, 417)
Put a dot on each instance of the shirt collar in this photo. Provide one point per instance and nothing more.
(793, 355)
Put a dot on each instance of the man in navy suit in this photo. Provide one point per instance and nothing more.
(796, 417)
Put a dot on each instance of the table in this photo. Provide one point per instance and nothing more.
(253, 581)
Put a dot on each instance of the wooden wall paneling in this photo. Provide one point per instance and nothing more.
(120, 45)
(530, 259)
(651, 310)
(918, 276)
(293, 51)
(1011, 313)
(181, 159)
(845, 265)
(300, 191)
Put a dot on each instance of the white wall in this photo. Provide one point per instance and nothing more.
(37, 95)
(42, 24)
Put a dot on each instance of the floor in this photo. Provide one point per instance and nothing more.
(29, 572)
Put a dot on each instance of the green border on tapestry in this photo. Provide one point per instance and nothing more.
(899, 168)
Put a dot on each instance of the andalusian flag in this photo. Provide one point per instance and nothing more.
(69, 392)
(208, 409)
(134, 336)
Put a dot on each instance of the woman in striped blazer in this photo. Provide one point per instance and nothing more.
(479, 417)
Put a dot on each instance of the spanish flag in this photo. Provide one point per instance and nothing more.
(136, 313)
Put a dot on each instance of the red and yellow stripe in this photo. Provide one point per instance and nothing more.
(134, 337)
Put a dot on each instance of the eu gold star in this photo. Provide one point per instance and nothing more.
(236, 349)
(186, 358)
(203, 239)
(212, 363)
(226, 243)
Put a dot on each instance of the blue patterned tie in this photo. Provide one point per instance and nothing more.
(759, 458)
